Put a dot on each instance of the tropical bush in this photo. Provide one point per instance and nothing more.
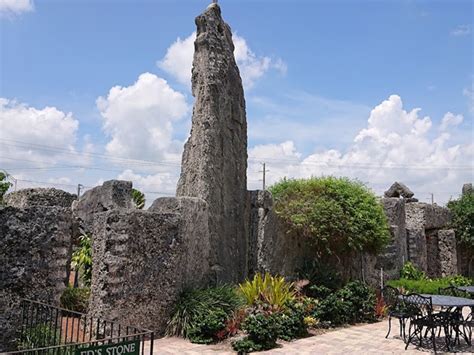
(75, 299)
(354, 303)
(82, 259)
(462, 211)
(411, 272)
(262, 329)
(201, 315)
(270, 290)
(338, 215)
(323, 279)
(429, 286)
(292, 321)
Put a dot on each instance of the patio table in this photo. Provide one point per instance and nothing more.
(450, 301)
(468, 289)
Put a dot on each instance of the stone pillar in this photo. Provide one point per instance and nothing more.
(34, 255)
(214, 165)
(144, 259)
(448, 262)
(396, 252)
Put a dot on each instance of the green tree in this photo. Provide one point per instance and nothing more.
(138, 199)
(338, 215)
(462, 211)
(4, 185)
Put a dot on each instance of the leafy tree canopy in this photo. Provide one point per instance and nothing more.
(462, 210)
(338, 215)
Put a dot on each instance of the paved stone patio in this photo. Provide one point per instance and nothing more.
(360, 339)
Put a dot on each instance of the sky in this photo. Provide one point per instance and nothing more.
(379, 91)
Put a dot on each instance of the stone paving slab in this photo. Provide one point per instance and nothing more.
(359, 339)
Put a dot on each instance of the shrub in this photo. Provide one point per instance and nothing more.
(197, 312)
(353, 303)
(206, 329)
(270, 290)
(462, 211)
(323, 279)
(292, 321)
(429, 286)
(411, 272)
(338, 215)
(246, 345)
(262, 329)
(75, 299)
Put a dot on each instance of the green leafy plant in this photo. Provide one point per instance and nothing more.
(292, 321)
(138, 198)
(75, 299)
(429, 286)
(4, 185)
(262, 329)
(267, 289)
(338, 215)
(323, 278)
(206, 329)
(201, 314)
(82, 259)
(462, 211)
(354, 303)
(37, 336)
(411, 272)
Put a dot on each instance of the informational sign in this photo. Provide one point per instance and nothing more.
(123, 348)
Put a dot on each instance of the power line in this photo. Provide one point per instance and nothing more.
(270, 159)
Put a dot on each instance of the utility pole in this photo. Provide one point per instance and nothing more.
(264, 171)
(79, 187)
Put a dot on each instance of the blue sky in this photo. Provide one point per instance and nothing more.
(320, 68)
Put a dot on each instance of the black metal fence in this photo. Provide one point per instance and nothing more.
(46, 329)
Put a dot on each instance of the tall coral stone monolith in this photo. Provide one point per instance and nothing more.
(214, 162)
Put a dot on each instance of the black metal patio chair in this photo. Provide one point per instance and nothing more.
(396, 309)
(422, 318)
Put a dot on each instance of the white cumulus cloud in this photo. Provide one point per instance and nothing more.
(179, 58)
(16, 7)
(25, 130)
(396, 145)
(139, 118)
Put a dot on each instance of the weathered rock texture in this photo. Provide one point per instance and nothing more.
(113, 194)
(395, 254)
(143, 260)
(214, 163)
(399, 189)
(271, 248)
(430, 246)
(33, 261)
(39, 197)
(441, 252)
